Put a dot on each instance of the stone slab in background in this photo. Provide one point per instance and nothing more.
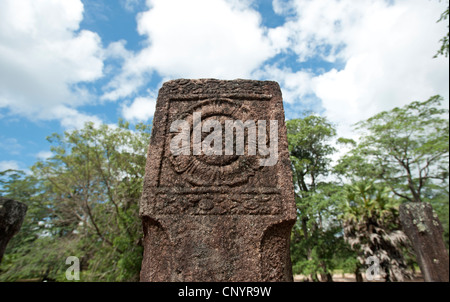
(12, 214)
(421, 224)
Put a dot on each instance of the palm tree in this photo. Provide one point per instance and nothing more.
(372, 228)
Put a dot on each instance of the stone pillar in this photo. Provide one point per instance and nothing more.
(424, 229)
(220, 217)
(12, 214)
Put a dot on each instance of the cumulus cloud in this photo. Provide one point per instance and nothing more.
(296, 85)
(385, 48)
(140, 110)
(44, 57)
(73, 119)
(44, 155)
(10, 145)
(381, 52)
(202, 38)
(9, 165)
(194, 39)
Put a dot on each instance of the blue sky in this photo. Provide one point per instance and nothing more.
(66, 62)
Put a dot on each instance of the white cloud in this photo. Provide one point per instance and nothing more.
(202, 38)
(117, 50)
(195, 39)
(279, 37)
(44, 155)
(319, 26)
(131, 5)
(124, 84)
(10, 145)
(71, 118)
(296, 86)
(140, 110)
(9, 165)
(386, 49)
(43, 57)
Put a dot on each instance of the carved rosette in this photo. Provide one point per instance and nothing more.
(214, 170)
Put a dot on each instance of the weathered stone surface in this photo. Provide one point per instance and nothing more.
(222, 217)
(12, 214)
(422, 226)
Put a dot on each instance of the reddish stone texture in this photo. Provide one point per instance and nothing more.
(222, 218)
(425, 231)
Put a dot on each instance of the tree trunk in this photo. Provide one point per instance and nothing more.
(358, 276)
(325, 277)
(424, 229)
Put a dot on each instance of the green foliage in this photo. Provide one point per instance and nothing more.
(403, 151)
(407, 148)
(43, 259)
(19, 186)
(309, 148)
(317, 243)
(443, 51)
(83, 201)
(372, 228)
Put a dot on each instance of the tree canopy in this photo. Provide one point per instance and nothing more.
(83, 201)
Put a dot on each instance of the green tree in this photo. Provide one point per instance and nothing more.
(315, 238)
(91, 187)
(407, 148)
(372, 228)
(321, 249)
(28, 253)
